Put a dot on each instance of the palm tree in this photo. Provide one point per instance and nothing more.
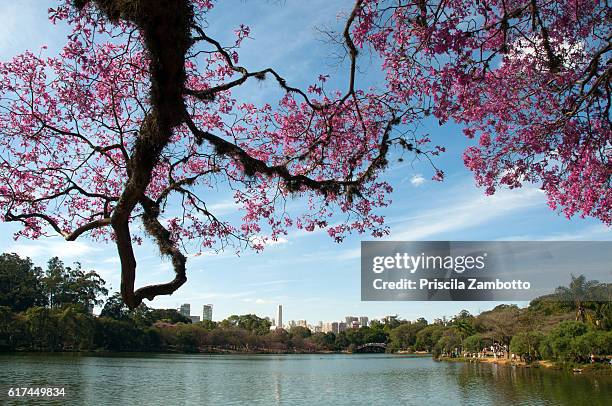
(463, 323)
(579, 291)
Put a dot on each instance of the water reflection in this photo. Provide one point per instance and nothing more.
(493, 384)
(363, 379)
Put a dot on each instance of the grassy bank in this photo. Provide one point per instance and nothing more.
(596, 368)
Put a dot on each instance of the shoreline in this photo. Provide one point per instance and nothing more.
(575, 369)
(579, 369)
(217, 352)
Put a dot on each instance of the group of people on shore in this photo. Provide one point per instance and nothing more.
(496, 351)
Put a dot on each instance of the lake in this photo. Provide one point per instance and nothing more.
(357, 379)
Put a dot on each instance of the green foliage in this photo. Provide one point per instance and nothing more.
(342, 340)
(501, 323)
(391, 322)
(12, 329)
(376, 333)
(591, 302)
(42, 327)
(249, 322)
(69, 328)
(168, 316)
(427, 338)
(464, 323)
(449, 343)
(115, 308)
(565, 344)
(549, 305)
(120, 335)
(593, 342)
(474, 343)
(298, 335)
(142, 316)
(539, 331)
(21, 284)
(526, 344)
(324, 341)
(299, 331)
(189, 337)
(76, 327)
(405, 335)
(207, 325)
(72, 285)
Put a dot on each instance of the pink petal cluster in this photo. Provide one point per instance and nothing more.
(530, 79)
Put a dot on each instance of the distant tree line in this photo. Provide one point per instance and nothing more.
(49, 311)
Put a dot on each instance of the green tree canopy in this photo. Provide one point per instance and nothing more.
(20, 283)
(405, 335)
(249, 322)
(72, 285)
(579, 291)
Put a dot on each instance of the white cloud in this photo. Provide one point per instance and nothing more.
(278, 241)
(65, 250)
(465, 213)
(457, 214)
(598, 232)
(268, 241)
(218, 295)
(417, 180)
(531, 48)
(274, 282)
(223, 207)
(111, 260)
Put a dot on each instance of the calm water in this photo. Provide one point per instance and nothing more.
(368, 379)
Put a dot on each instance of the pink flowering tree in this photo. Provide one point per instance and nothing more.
(126, 133)
(529, 78)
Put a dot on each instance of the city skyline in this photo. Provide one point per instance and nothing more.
(335, 326)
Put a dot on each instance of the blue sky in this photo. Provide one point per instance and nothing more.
(312, 276)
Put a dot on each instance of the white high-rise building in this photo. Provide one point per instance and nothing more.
(207, 312)
(185, 309)
(279, 316)
(350, 319)
(278, 322)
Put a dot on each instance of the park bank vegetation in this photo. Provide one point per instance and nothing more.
(50, 311)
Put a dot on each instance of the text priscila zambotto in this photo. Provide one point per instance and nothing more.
(475, 270)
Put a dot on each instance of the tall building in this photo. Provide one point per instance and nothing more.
(363, 321)
(317, 328)
(194, 319)
(350, 319)
(279, 316)
(207, 312)
(185, 310)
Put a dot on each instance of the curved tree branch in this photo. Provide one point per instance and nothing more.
(165, 27)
